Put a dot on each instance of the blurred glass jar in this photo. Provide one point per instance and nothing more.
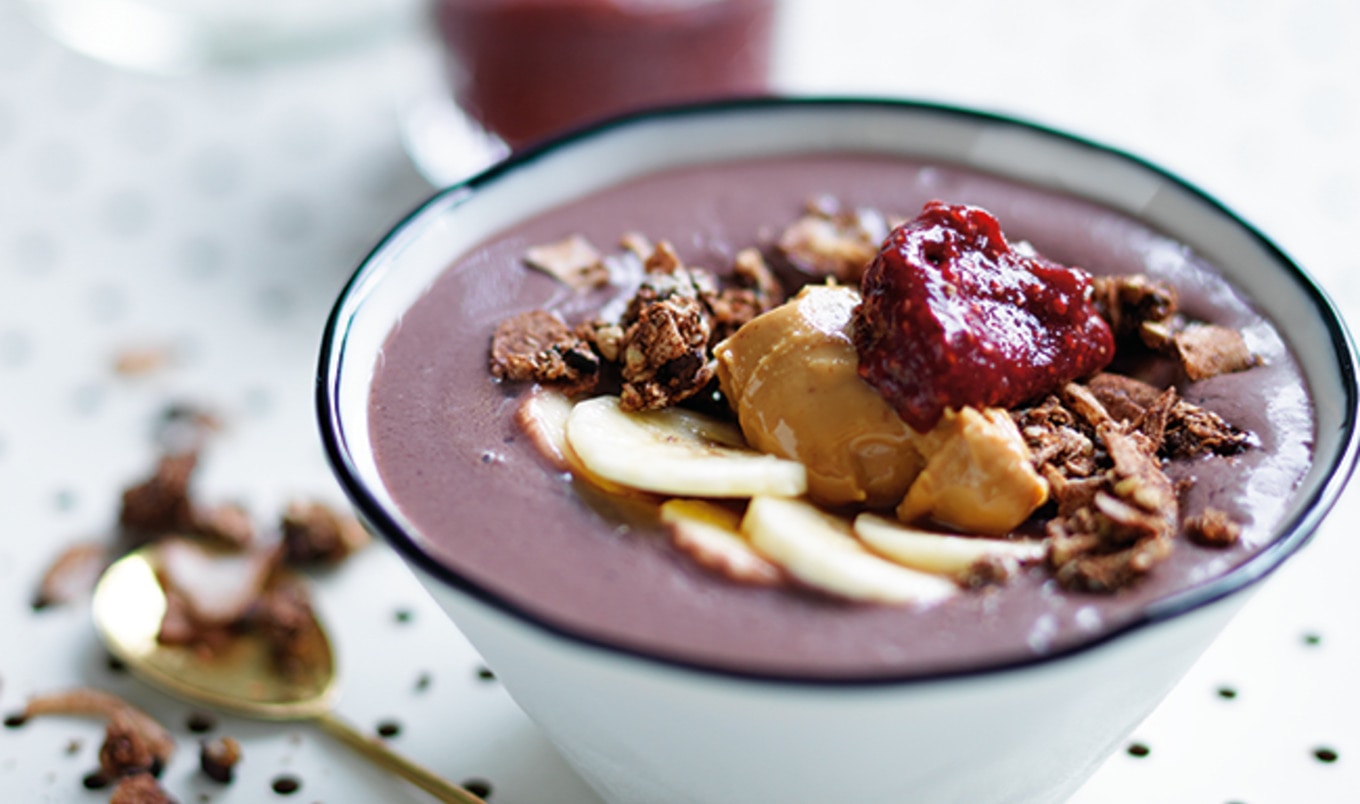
(525, 69)
(174, 36)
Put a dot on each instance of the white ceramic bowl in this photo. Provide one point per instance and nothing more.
(643, 729)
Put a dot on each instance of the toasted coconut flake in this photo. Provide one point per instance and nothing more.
(218, 587)
(1206, 350)
(574, 261)
(87, 701)
(72, 575)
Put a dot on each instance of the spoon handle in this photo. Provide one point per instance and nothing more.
(385, 758)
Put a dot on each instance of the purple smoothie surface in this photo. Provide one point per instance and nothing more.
(484, 503)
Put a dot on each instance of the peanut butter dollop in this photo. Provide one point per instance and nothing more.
(791, 376)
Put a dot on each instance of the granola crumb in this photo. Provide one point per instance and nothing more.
(139, 788)
(125, 750)
(828, 241)
(989, 571)
(141, 361)
(218, 758)
(314, 533)
(1129, 302)
(283, 616)
(161, 504)
(1213, 528)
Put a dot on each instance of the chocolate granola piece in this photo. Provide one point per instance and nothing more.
(1093, 570)
(1208, 350)
(178, 624)
(1122, 522)
(1129, 301)
(314, 533)
(1213, 528)
(218, 758)
(1085, 405)
(139, 788)
(755, 291)
(161, 503)
(1180, 429)
(1125, 398)
(1136, 305)
(538, 346)
(574, 261)
(828, 241)
(667, 328)
(1071, 493)
(283, 616)
(989, 571)
(604, 336)
(126, 750)
(1057, 439)
(1192, 430)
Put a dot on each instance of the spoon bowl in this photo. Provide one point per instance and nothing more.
(241, 676)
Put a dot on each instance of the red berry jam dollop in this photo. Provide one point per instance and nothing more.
(953, 315)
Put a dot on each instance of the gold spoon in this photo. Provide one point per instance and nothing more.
(129, 604)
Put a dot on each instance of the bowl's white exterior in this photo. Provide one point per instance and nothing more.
(642, 730)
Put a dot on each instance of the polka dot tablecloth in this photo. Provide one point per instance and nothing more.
(198, 227)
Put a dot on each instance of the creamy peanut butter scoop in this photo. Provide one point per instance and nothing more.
(791, 375)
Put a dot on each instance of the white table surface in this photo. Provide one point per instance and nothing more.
(217, 214)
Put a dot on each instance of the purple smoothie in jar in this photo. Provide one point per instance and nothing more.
(525, 69)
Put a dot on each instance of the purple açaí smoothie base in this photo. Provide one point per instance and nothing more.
(486, 504)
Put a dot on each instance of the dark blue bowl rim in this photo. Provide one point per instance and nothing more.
(1293, 533)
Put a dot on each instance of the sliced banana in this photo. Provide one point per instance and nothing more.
(710, 534)
(937, 552)
(676, 452)
(820, 550)
(542, 415)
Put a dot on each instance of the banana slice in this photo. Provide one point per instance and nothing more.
(676, 452)
(937, 552)
(711, 535)
(542, 415)
(820, 550)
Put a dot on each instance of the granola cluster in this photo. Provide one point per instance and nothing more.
(135, 750)
(1100, 444)
(267, 598)
(659, 351)
(829, 241)
(1117, 512)
(1140, 309)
